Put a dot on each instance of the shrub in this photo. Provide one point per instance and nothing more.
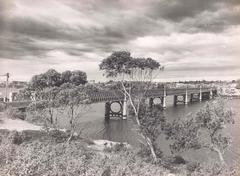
(15, 138)
(2, 106)
(118, 147)
(192, 166)
(14, 113)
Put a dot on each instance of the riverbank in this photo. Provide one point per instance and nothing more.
(231, 96)
(32, 152)
(38, 153)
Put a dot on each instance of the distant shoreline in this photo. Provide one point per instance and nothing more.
(231, 96)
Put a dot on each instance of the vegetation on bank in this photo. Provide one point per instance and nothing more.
(34, 153)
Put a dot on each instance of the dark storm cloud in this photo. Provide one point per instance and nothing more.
(101, 39)
(178, 10)
(121, 22)
(18, 47)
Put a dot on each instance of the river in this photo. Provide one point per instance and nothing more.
(93, 125)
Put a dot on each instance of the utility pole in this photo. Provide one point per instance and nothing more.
(6, 86)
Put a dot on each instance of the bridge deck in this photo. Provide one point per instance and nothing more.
(105, 96)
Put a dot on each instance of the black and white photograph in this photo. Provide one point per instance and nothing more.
(119, 87)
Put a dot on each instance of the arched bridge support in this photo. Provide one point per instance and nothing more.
(109, 112)
(121, 112)
(183, 100)
(195, 97)
(162, 102)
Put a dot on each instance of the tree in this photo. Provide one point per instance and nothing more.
(38, 82)
(206, 130)
(53, 78)
(152, 122)
(76, 77)
(74, 100)
(24, 94)
(50, 78)
(65, 76)
(135, 76)
(45, 106)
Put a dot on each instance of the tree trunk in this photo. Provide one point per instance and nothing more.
(51, 116)
(149, 142)
(220, 155)
(70, 137)
(136, 111)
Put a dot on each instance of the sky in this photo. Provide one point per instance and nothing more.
(193, 39)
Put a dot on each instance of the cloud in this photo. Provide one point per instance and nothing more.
(197, 33)
(185, 50)
(178, 10)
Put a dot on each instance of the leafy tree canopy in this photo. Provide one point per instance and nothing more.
(121, 62)
(52, 78)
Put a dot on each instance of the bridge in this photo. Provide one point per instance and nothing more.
(180, 95)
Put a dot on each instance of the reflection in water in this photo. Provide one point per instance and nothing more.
(117, 130)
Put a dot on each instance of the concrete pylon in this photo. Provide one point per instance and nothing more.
(175, 99)
(210, 94)
(125, 107)
(164, 97)
(200, 94)
(186, 97)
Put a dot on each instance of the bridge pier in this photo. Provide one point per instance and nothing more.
(163, 102)
(163, 99)
(207, 95)
(122, 112)
(186, 98)
(124, 106)
(151, 103)
(183, 101)
(175, 100)
(211, 94)
(200, 94)
(194, 97)
(107, 110)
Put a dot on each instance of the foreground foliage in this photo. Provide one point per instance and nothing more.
(45, 157)
(33, 153)
(206, 130)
